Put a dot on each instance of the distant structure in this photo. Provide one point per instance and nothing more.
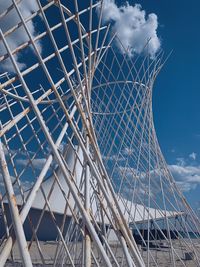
(83, 181)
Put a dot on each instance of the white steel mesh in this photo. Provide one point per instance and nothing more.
(83, 181)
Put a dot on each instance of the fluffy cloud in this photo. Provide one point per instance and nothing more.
(27, 7)
(187, 177)
(37, 163)
(113, 158)
(193, 156)
(127, 151)
(25, 185)
(129, 172)
(133, 27)
(181, 161)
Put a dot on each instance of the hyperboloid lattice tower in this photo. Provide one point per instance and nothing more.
(83, 181)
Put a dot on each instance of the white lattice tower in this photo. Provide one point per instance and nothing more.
(53, 177)
(37, 121)
(155, 208)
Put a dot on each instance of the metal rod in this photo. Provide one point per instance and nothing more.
(66, 173)
(19, 231)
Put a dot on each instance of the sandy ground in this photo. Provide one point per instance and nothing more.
(157, 256)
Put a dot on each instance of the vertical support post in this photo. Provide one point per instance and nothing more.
(87, 245)
(4, 253)
(17, 224)
(4, 216)
(129, 260)
(58, 158)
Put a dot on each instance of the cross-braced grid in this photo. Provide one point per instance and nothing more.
(161, 219)
(83, 180)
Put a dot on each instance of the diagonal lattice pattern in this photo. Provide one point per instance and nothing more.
(156, 210)
(83, 181)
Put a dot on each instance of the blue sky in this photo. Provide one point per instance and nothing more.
(176, 92)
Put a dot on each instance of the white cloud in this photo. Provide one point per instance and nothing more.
(139, 193)
(2, 186)
(187, 177)
(180, 161)
(25, 184)
(193, 156)
(27, 7)
(8, 151)
(134, 28)
(114, 157)
(37, 163)
(128, 172)
(127, 151)
(186, 186)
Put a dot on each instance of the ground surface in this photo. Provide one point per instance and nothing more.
(161, 255)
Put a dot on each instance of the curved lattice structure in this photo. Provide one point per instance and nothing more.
(83, 181)
(156, 211)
